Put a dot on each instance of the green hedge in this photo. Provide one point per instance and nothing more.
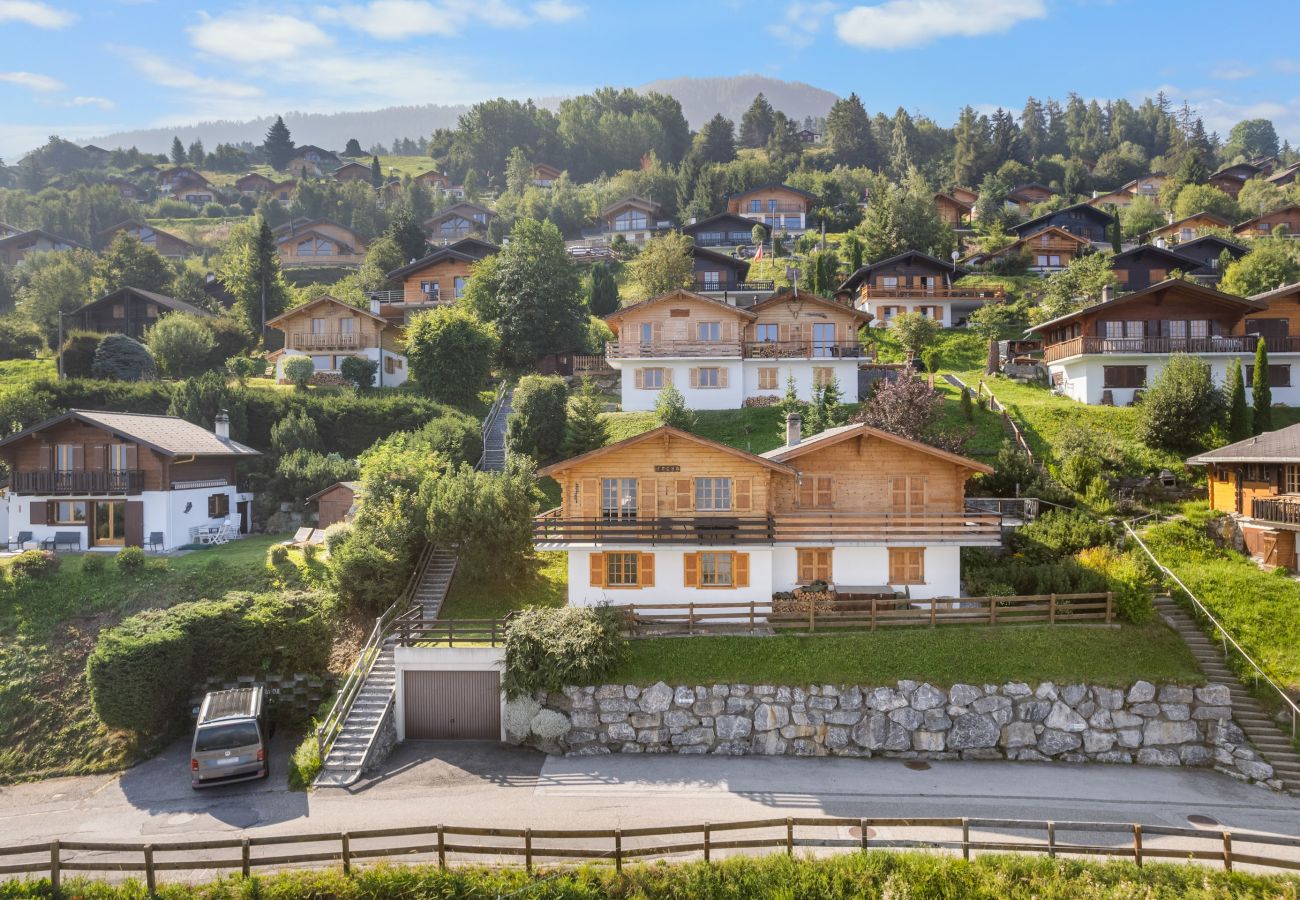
(143, 670)
(547, 649)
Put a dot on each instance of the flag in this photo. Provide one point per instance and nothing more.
(758, 254)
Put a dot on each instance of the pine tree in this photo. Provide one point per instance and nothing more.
(757, 123)
(251, 272)
(178, 152)
(376, 172)
(278, 145)
(1238, 412)
(586, 430)
(602, 291)
(790, 403)
(967, 408)
(1261, 394)
(716, 141)
(848, 131)
(407, 232)
(196, 154)
(353, 148)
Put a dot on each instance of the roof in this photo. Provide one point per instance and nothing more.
(723, 259)
(1282, 446)
(1206, 293)
(309, 230)
(1021, 241)
(632, 200)
(325, 298)
(1162, 253)
(701, 224)
(161, 299)
(303, 224)
(168, 435)
(347, 166)
(465, 253)
(136, 223)
(1045, 217)
(35, 234)
(1032, 185)
(941, 195)
(353, 486)
(1273, 212)
(1213, 239)
(665, 431)
(455, 208)
(832, 436)
(1282, 291)
(809, 297)
(770, 187)
(680, 294)
(1251, 168)
(1224, 223)
(855, 279)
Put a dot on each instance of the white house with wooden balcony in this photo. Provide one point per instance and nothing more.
(670, 517)
(719, 355)
(327, 330)
(914, 282)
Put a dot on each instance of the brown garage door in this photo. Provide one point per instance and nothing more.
(452, 706)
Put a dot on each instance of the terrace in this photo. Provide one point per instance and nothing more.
(1089, 344)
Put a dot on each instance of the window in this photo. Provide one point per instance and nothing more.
(816, 491)
(390, 365)
(708, 332)
(151, 311)
(323, 363)
(890, 282)
(618, 498)
(119, 310)
(1198, 328)
(631, 220)
(429, 289)
(65, 457)
(1123, 376)
(652, 379)
(907, 565)
(458, 285)
(1135, 329)
(710, 237)
(713, 494)
(823, 375)
(711, 280)
(119, 457)
(814, 564)
(345, 325)
(708, 377)
(716, 570)
(1045, 240)
(317, 326)
(647, 333)
(769, 332)
(622, 569)
(767, 378)
(823, 335)
(1293, 479)
(907, 493)
(70, 512)
(1177, 330)
(1278, 376)
(1114, 330)
(1049, 261)
(755, 205)
(218, 506)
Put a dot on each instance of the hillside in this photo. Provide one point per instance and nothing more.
(701, 98)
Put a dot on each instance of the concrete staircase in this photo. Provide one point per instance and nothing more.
(1273, 743)
(494, 434)
(435, 581)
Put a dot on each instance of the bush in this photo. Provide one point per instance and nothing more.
(548, 649)
(298, 371)
(245, 367)
(670, 409)
(489, 515)
(278, 554)
(370, 565)
(296, 431)
(301, 473)
(182, 344)
(537, 425)
(450, 353)
(359, 371)
(1127, 577)
(336, 534)
(79, 353)
(19, 339)
(214, 210)
(119, 358)
(305, 763)
(1181, 407)
(94, 564)
(34, 564)
(130, 560)
(1060, 533)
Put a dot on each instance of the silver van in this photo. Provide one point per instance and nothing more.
(230, 739)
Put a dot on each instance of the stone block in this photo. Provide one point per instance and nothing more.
(733, 728)
(1016, 689)
(1173, 693)
(768, 743)
(1053, 743)
(645, 720)
(1073, 694)
(872, 731)
(1019, 734)
(1033, 710)
(1176, 712)
(1158, 733)
(1063, 718)
(1255, 769)
(851, 698)
(1146, 710)
(1098, 741)
(991, 703)
(1155, 756)
(823, 703)
(899, 738)
(907, 718)
(621, 731)
(1123, 719)
(631, 691)
(609, 692)
(886, 699)
(692, 736)
(684, 696)
(927, 696)
(739, 690)
(790, 732)
(656, 698)
(806, 747)
(1102, 719)
(837, 737)
(783, 695)
(1194, 755)
(1214, 695)
(964, 694)
(712, 706)
(1141, 692)
(769, 717)
(739, 706)
(928, 741)
(1114, 756)
(680, 718)
(843, 717)
(620, 705)
(1046, 691)
(1212, 713)
(986, 753)
(584, 719)
(936, 720)
(973, 730)
(653, 736)
(1108, 698)
(1129, 737)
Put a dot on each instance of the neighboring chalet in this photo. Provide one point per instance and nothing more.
(725, 230)
(458, 221)
(353, 171)
(7, 230)
(964, 195)
(544, 175)
(319, 243)
(1147, 186)
(193, 194)
(915, 282)
(719, 355)
(670, 517)
(432, 179)
(1045, 252)
(98, 156)
(1120, 197)
(131, 311)
(1148, 264)
(110, 479)
(808, 136)
(336, 503)
(1231, 179)
(1107, 352)
(778, 206)
(1190, 228)
(1284, 221)
(1257, 483)
(309, 160)
(168, 245)
(17, 247)
(1024, 198)
(952, 211)
(434, 280)
(1080, 219)
(181, 176)
(717, 272)
(1208, 253)
(126, 190)
(329, 330)
(255, 185)
(1285, 176)
(636, 219)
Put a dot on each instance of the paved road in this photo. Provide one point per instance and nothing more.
(488, 784)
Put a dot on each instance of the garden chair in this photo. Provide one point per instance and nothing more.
(22, 540)
(156, 541)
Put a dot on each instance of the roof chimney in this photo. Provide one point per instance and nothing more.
(1108, 293)
(222, 425)
(793, 429)
(374, 306)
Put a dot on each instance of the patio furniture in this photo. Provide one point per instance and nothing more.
(63, 540)
(155, 540)
(301, 536)
(226, 531)
(22, 540)
(203, 534)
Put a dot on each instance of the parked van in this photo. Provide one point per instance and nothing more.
(230, 739)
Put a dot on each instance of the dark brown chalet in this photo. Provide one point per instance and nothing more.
(1208, 251)
(715, 271)
(1148, 264)
(131, 311)
(915, 282)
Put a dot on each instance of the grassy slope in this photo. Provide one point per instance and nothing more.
(48, 628)
(16, 370)
(548, 587)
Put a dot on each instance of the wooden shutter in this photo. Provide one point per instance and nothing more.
(40, 512)
(898, 494)
(132, 457)
(647, 498)
(743, 494)
(47, 457)
(78, 458)
(685, 494)
(589, 498)
(647, 572)
(668, 376)
(691, 570)
(807, 492)
(640, 377)
(783, 332)
(806, 566)
(915, 494)
(98, 457)
(722, 376)
(134, 536)
(695, 377)
(906, 565)
(823, 486)
(213, 511)
(597, 561)
(657, 332)
(740, 569)
(796, 332)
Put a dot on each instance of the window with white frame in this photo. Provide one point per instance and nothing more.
(713, 494)
(618, 498)
(709, 377)
(716, 569)
(652, 379)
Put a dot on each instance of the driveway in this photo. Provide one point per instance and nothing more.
(495, 785)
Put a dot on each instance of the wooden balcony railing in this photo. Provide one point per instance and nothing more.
(331, 340)
(774, 208)
(964, 527)
(82, 482)
(869, 292)
(670, 349)
(1086, 344)
(808, 349)
(1283, 510)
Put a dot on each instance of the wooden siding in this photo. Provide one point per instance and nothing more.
(369, 331)
(444, 273)
(784, 198)
(675, 320)
(1286, 308)
(795, 321)
(1163, 306)
(1287, 218)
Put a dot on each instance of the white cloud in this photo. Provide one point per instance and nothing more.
(1220, 113)
(199, 96)
(392, 20)
(1287, 66)
(801, 22)
(1232, 72)
(98, 102)
(252, 36)
(32, 81)
(914, 23)
(41, 15)
(557, 10)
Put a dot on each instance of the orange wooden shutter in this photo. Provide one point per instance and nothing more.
(898, 494)
(824, 564)
(806, 566)
(668, 376)
(783, 332)
(685, 495)
(807, 493)
(695, 377)
(691, 570)
(589, 498)
(915, 494)
(740, 569)
(657, 332)
(597, 569)
(647, 499)
(743, 493)
(647, 570)
(823, 486)
(722, 376)
(640, 378)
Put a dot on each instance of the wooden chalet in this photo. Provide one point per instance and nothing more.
(1044, 252)
(1231, 179)
(432, 179)
(1187, 229)
(1284, 222)
(545, 175)
(1025, 197)
(1209, 252)
(1080, 219)
(915, 282)
(328, 331)
(952, 211)
(725, 230)
(131, 311)
(436, 279)
(17, 247)
(778, 206)
(460, 220)
(320, 242)
(168, 245)
(1147, 264)
(354, 171)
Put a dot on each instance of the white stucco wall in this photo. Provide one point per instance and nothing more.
(376, 354)
(643, 400)
(1085, 378)
(846, 373)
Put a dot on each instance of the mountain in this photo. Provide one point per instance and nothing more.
(702, 98)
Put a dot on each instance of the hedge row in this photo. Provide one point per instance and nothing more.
(143, 670)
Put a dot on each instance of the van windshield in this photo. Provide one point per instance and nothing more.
(226, 736)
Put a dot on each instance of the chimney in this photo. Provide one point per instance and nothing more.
(222, 426)
(793, 429)
(1108, 293)
(374, 306)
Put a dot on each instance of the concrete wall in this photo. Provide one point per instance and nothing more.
(642, 400)
(1085, 380)
(846, 373)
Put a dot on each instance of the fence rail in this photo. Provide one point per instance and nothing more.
(448, 844)
(414, 631)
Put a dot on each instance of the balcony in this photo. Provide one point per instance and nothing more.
(775, 208)
(968, 527)
(870, 292)
(82, 482)
(330, 340)
(1282, 510)
(739, 287)
(1086, 345)
(808, 349)
(672, 349)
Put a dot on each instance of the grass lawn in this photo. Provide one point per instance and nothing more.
(942, 656)
(16, 370)
(548, 587)
(49, 627)
(756, 430)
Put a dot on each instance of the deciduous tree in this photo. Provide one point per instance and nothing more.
(450, 353)
(663, 265)
(1180, 407)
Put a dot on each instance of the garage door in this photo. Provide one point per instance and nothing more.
(452, 706)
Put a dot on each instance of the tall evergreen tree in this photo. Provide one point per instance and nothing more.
(1238, 412)
(1033, 130)
(602, 291)
(757, 123)
(376, 172)
(586, 429)
(1261, 394)
(848, 131)
(178, 152)
(408, 234)
(716, 141)
(784, 147)
(195, 154)
(353, 148)
(251, 272)
(278, 145)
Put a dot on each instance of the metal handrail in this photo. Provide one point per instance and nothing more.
(1223, 632)
(489, 421)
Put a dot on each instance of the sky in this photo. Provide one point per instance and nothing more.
(80, 68)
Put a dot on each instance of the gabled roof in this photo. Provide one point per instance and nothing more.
(1281, 446)
(1146, 177)
(353, 165)
(856, 278)
(1202, 292)
(769, 187)
(1102, 216)
(665, 431)
(470, 253)
(253, 176)
(1022, 241)
(320, 151)
(1222, 223)
(711, 221)
(633, 200)
(1223, 243)
(326, 298)
(36, 234)
(1282, 291)
(680, 294)
(1020, 188)
(161, 299)
(722, 259)
(809, 297)
(1290, 207)
(832, 436)
(456, 208)
(353, 486)
(1244, 168)
(310, 231)
(1151, 250)
(137, 224)
(168, 435)
(941, 195)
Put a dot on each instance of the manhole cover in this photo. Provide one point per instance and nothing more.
(1203, 821)
(917, 765)
(856, 832)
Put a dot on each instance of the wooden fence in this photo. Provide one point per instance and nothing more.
(1052, 609)
(445, 844)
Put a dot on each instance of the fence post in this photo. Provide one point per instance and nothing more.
(618, 850)
(751, 617)
(965, 838)
(345, 851)
(1137, 844)
(1110, 606)
(245, 858)
(862, 827)
(934, 608)
(528, 850)
(150, 878)
(873, 613)
(1227, 851)
(1051, 840)
(789, 836)
(690, 617)
(993, 610)
(812, 616)
(706, 841)
(55, 865)
(1051, 608)
(442, 849)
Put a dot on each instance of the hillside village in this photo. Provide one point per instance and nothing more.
(581, 430)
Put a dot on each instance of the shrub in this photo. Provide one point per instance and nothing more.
(245, 367)
(305, 763)
(301, 473)
(1126, 577)
(298, 371)
(670, 409)
(336, 534)
(79, 353)
(309, 552)
(130, 560)
(371, 564)
(94, 564)
(182, 345)
(537, 425)
(19, 339)
(359, 371)
(547, 649)
(119, 358)
(278, 554)
(586, 429)
(450, 353)
(34, 564)
(296, 431)
(1060, 533)
(214, 210)
(1181, 407)
(489, 515)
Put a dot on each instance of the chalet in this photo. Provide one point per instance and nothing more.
(434, 280)
(179, 176)
(1209, 252)
(717, 272)
(139, 171)
(952, 211)
(1045, 252)
(1284, 221)
(670, 517)
(309, 160)
(17, 247)
(719, 355)
(914, 282)
(1257, 483)
(98, 156)
(1231, 179)
(432, 179)
(1024, 198)
(320, 243)
(252, 184)
(544, 175)
(1285, 176)
(808, 136)
(964, 195)
(7, 230)
(131, 311)
(1107, 352)
(1148, 264)
(1080, 219)
(353, 171)
(113, 479)
(194, 194)
(724, 230)
(636, 219)
(1189, 228)
(126, 189)
(1148, 185)
(458, 221)
(336, 503)
(775, 205)
(328, 331)
(168, 245)
(1120, 197)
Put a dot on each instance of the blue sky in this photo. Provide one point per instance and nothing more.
(84, 67)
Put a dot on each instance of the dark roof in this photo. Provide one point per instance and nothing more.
(1282, 291)
(945, 195)
(1200, 215)
(855, 279)
(325, 298)
(722, 259)
(1045, 219)
(1151, 250)
(1231, 246)
(470, 253)
(353, 486)
(1281, 446)
(168, 435)
(1250, 168)
(354, 164)
(310, 230)
(701, 224)
(34, 234)
(136, 223)
(455, 208)
(161, 299)
(764, 187)
(1206, 293)
(1032, 184)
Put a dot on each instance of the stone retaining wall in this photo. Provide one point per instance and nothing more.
(1166, 725)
